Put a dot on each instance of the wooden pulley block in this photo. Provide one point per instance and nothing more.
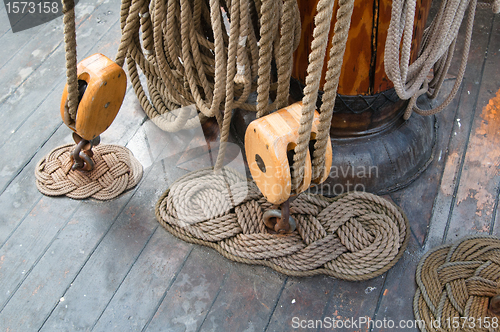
(269, 144)
(102, 86)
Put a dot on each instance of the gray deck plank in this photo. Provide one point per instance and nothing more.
(42, 61)
(61, 256)
(353, 301)
(189, 299)
(396, 299)
(477, 192)
(155, 281)
(15, 159)
(21, 195)
(246, 299)
(426, 186)
(103, 273)
(4, 22)
(302, 299)
(445, 199)
(402, 290)
(25, 51)
(496, 228)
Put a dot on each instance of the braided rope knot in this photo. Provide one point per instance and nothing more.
(458, 281)
(116, 170)
(356, 236)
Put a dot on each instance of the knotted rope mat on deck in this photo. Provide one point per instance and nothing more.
(355, 236)
(458, 281)
(116, 170)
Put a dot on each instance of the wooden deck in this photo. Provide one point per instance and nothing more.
(68, 265)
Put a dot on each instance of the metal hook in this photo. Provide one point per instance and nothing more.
(82, 154)
(280, 221)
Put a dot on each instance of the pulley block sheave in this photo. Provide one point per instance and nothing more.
(102, 86)
(269, 145)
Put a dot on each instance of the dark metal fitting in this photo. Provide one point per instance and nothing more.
(280, 220)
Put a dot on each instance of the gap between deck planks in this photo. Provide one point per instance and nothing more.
(400, 291)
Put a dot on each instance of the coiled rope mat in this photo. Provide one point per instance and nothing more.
(458, 280)
(355, 236)
(116, 170)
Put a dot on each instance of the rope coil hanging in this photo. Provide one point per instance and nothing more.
(435, 54)
(461, 282)
(356, 236)
(189, 57)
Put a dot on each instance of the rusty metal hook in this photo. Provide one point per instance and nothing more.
(82, 154)
(78, 162)
(280, 220)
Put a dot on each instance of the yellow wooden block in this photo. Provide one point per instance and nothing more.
(267, 141)
(106, 87)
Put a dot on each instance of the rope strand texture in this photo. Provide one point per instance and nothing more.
(116, 170)
(355, 236)
(435, 54)
(70, 48)
(189, 58)
(457, 281)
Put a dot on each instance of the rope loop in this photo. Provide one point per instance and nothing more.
(356, 236)
(211, 54)
(458, 281)
(435, 53)
(116, 170)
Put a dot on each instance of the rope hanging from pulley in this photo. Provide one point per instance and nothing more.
(91, 99)
(356, 236)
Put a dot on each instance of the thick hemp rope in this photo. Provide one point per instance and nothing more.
(189, 56)
(71, 63)
(435, 54)
(456, 284)
(355, 236)
(115, 168)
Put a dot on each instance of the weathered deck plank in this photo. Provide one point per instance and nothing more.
(426, 187)
(15, 159)
(446, 196)
(151, 275)
(67, 251)
(26, 51)
(4, 22)
(119, 248)
(191, 296)
(401, 290)
(245, 301)
(302, 299)
(477, 192)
